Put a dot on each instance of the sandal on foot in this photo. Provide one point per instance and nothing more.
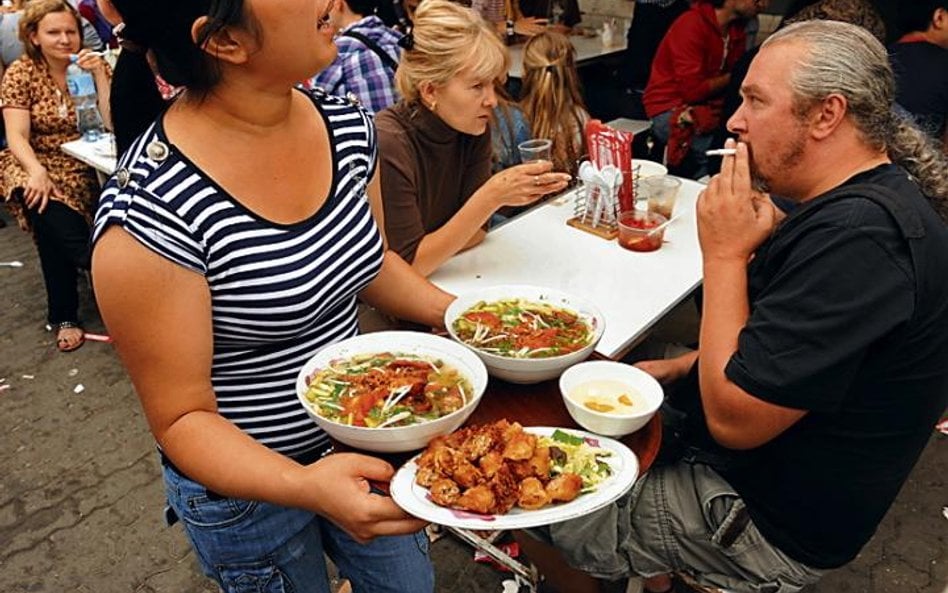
(65, 344)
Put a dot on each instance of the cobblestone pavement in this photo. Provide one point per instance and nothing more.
(81, 495)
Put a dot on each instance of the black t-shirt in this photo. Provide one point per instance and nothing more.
(851, 324)
(921, 74)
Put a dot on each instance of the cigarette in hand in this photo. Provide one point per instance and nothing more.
(721, 152)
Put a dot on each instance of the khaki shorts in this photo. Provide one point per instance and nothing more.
(679, 518)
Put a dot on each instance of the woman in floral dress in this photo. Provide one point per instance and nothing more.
(51, 194)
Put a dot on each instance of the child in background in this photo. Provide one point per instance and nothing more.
(551, 99)
(508, 128)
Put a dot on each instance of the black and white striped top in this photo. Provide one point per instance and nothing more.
(279, 292)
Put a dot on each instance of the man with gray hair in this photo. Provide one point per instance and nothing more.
(824, 336)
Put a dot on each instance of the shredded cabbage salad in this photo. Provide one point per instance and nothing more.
(578, 457)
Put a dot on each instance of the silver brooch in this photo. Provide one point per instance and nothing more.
(157, 150)
(122, 177)
(353, 99)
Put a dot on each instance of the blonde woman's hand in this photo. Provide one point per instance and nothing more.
(91, 61)
(524, 184)
(39, 189)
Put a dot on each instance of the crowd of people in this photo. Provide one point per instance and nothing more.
(282, 163)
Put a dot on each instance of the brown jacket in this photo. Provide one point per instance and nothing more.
(429, 170)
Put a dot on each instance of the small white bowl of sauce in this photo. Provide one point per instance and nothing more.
(610, 398)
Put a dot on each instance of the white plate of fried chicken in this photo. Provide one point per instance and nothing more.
(504, 476)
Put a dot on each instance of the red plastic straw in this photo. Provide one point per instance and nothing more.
(97, 338)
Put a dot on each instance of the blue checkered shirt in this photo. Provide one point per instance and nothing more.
(358, 70)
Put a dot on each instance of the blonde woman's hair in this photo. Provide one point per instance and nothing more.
(551, 99)
(34, 12)
(449, 38)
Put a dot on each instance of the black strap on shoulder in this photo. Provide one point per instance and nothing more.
(388, 60)
(908, 219)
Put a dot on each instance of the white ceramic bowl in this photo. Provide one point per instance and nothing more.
(648, 168)
(613, 425)
(400, 438)
(528, 370)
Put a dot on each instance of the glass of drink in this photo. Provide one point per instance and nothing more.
(661, 192)
(536, 149)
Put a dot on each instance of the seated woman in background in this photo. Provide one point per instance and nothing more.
(49, 192)
(435, 146)
(551, 99)
(508, 128)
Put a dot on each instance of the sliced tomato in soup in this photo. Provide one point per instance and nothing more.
(487, 318)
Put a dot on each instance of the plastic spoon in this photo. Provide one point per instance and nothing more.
(663, 225)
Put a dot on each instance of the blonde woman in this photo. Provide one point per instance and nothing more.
(435, 144)
(551, 99)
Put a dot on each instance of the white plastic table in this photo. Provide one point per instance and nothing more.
(100, 155)
(633, 290)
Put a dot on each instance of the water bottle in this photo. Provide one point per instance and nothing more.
(81, 86)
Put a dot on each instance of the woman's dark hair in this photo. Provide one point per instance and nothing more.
(135, 100)
(162, 28)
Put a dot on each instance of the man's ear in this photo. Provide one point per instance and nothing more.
(227, 44)
(939, 19)
(827, 115)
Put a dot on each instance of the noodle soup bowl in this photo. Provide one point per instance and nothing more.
(395, 439)
(528, 370)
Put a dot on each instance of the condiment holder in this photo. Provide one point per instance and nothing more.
(596, 203)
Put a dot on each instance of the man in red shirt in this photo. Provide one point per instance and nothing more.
(690, 70)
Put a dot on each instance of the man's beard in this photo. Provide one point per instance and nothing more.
(785, 161)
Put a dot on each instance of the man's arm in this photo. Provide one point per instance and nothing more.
(733, 221)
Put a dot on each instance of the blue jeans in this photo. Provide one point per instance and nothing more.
(661, 128)
(255, 547)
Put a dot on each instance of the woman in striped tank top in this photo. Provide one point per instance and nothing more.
(230, 244)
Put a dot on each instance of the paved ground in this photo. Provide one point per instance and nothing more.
(80, 492)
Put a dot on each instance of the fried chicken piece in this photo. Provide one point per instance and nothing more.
(490, 463)
(506, 490)
(564, 487)
(521, 470)
(466, 475)
(479, 499)
(444, 492)
(479, 443)
(532, 494)
(508, 430)
(426, 475)
(520, 446)
(445, 460)
(540, 463)
(456, 439)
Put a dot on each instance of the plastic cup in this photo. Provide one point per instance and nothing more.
(661, 192)
(537, 149)
(636, 230)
